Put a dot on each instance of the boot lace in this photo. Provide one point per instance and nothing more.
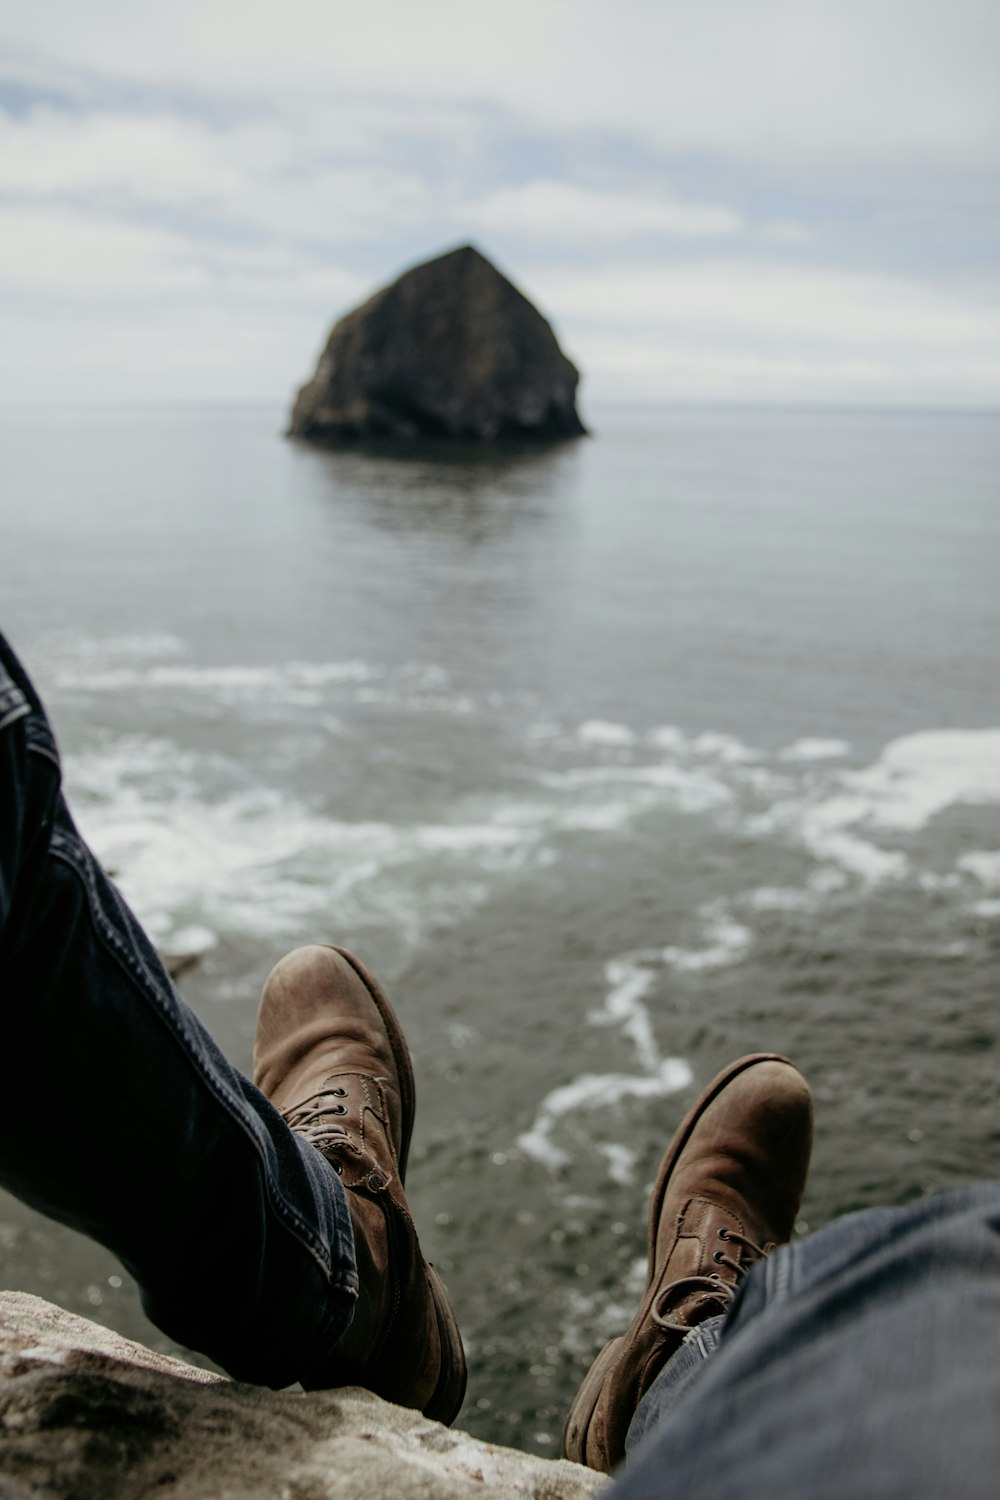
(741, 1265)
(311, 1119)
(717, 1290)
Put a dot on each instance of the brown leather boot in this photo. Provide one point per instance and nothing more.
(330, 1055)
(727, 1193)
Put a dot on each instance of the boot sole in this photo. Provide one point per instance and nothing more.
(400, 1053)
(577, 1431)
(446, 1402)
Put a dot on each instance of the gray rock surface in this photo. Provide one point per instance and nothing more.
(450, 350)
(87, 1415)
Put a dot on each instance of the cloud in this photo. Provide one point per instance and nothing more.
(270, 173)
(564, 211)
(60, 254)
(159, 157)
(774, 300)
(644, 370)
(57, 253)
(741, 330)
(814, 80)
(175, 350)
(788, 232)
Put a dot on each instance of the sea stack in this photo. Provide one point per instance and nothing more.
(450, 350)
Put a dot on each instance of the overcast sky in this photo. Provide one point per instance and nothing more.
(711, 199)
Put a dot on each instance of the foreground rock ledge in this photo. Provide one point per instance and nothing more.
(450, 350)
(87, 1415)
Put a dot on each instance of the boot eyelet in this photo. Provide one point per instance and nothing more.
(338, 1109)
(723, 1234)
(339, 1093)
(718, 1257)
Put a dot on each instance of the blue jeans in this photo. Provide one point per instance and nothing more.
(863, 1362)
(120, 1116)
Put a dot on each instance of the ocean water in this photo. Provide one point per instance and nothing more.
(614, 762)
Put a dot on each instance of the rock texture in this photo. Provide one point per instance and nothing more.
(87, 1415)
(450, 350)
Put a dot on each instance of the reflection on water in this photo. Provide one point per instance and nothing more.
(466, 488)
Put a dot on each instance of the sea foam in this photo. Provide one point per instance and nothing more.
(596, 1091)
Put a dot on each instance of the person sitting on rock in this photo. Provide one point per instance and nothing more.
(267, 1226)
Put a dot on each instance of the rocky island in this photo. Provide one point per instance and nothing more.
(450, 350)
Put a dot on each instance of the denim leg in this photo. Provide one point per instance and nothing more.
(119, 1115)
(683, 1366)
(859, 1361)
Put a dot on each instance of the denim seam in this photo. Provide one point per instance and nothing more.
(62, 849)
(780, 1274)
(37, 745)
(11, 696)
(13, 714)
